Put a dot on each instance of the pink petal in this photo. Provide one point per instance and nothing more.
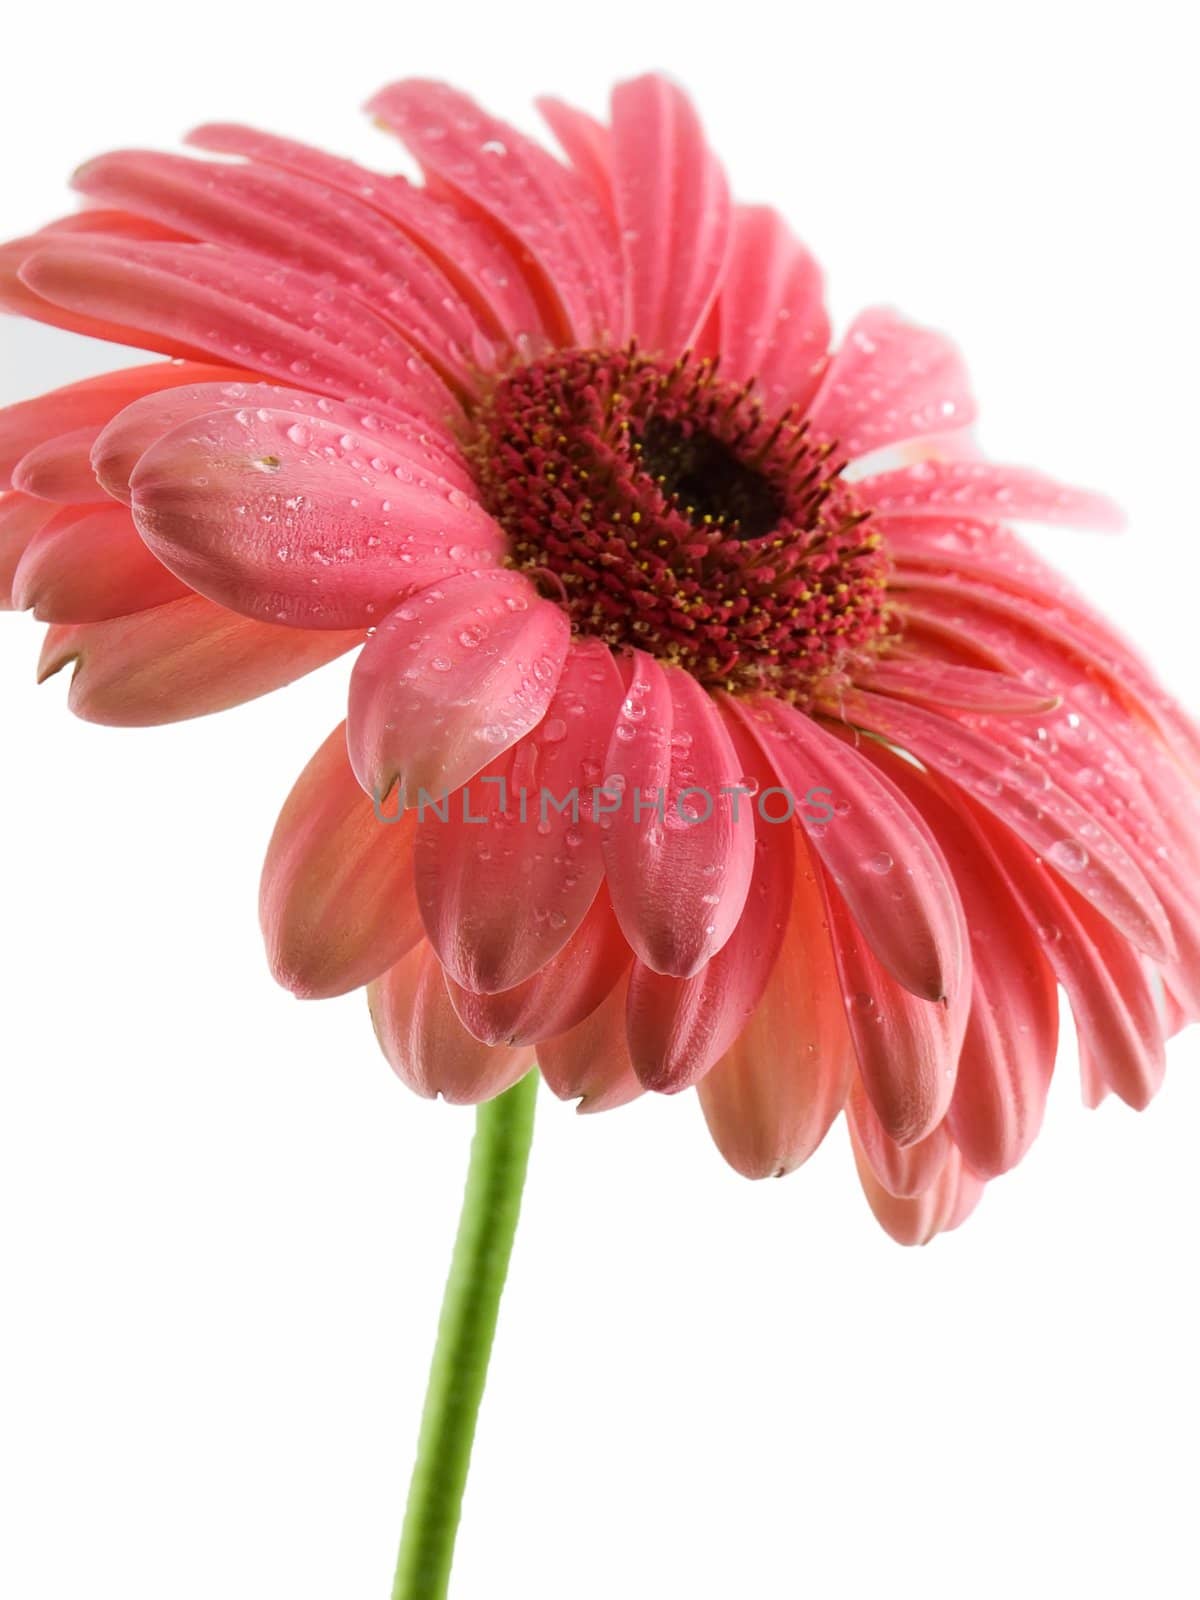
(678, 880)
(425, 1043)
(205, 301)
(771, 1098)
(88, 564)
(678, 1027)
(985, 489)
(287, 517)
(877, 850)
(544, 205)
(772, 324)
(423, 445)
(450, 680)
(890, 381)
(469, 249)
(1032, 806)
(292, 220)
(674, 209)
(590, 1063)
(184, 659)
(558, 997)
(336, 902)
(508, 875)
(21, 519)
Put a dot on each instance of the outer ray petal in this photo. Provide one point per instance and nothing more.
(590, 1063)
(336, 902)
(986, 489)
(425, 1043)
(184, 659)
(88, 564)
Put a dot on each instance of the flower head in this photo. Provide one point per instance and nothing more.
(702, 731)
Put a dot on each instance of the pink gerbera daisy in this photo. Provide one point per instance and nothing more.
(700, 735)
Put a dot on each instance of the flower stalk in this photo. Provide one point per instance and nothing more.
(466, 1329)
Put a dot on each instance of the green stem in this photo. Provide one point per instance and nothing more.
(478, 1267)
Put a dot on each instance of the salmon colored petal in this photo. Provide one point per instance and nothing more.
(547, 207)
(286, 218)
(890, 381)
(487, 270)
(60, 468)
(450, 680)
(906, 1048)
(678, 1027)
(773, 1095)
(674, 209)
(590, 1063)
(944, 1205)
(21, 519)
(336, 902)
(92, 403)
(678, 852)
(904, 1170)
(507, 875)
(560, 995)
(425, 1043)
(285, 517)
(1032, 806)
(772, 323)
(986, 489)
(881, 856)
(207, 301)
(87, 564)
(184, 659)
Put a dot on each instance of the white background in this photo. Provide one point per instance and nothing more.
(225, 1224)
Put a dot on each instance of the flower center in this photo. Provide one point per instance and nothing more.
(664, 509)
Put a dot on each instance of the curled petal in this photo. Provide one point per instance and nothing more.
(772, 323)
(678, 852)
(986, 489)
(890, 381)
(674, 210)
(560, 995)
(288, 518)
(336, 902)
(452, 679)
(586, 142)
(87, 564)
(425, 1043)
(590, 1062)
(772, 1096)
(60, 468)
(507, 876)
(183, 659)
